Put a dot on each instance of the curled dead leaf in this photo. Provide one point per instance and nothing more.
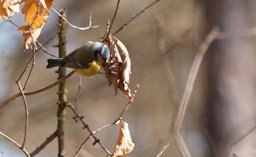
(124, 143)
(8, 8)
(27, 35)
(119, 65)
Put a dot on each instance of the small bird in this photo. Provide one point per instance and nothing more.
(86, 60)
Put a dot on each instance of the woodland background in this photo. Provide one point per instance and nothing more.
(225, 87)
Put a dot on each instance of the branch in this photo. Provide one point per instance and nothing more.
(239, 140)
(37, 91)
(44, 144)
(109, 26)
(104, 127)
(188, 90)
(167, 67)
(62, 102)
(26, 113)
(237, 33)
(134, 16)
(15, 143)
(208, 135)
(80, 28)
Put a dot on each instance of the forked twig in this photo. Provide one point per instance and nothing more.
(15, 143)
(188, 90)
(134, 16)
(80, 28)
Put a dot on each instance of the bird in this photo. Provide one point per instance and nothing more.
(86, 60)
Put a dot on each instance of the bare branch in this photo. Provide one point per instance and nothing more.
(37, 91)
(80, 28)
(134, 16)
(26, 114)
(239, 140)
(44, 144)
(237, 33)
(104, 127)
(188, 90)
(105, 39)
(15, 143)
(167, 67)
(216, 154)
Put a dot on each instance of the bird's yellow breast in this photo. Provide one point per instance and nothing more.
(91, 71)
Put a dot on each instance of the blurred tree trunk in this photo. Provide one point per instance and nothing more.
(231, 71)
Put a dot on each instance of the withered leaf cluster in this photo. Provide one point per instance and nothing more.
(118, 67)
(36, 12)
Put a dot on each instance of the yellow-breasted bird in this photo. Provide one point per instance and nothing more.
(86, 60)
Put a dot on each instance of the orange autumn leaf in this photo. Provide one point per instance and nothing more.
(27, 35)
(35, 12)
(8, 8)
(119, 65)
(124, 143)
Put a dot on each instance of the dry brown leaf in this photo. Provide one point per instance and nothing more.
(27, 35)
(119, 65)
(126, 67)
(8, 8)
(36, 12)
(124, 143)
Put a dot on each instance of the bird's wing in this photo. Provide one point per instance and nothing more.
(76, 59)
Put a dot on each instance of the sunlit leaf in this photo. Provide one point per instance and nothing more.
(8, 8)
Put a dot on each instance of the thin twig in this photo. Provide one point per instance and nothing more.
(79, 89)
(44, 144)
(15, 143)
(167, 66)
(239, 140)
(36, 91)
(134, 16)
(26, 113)
(237, 33)
(105, 39)
(96, 140)
(105, 126)
(41, 46)
(179, 40)
(80, 28)
(208, 135)
(188, 90)
(165, 147)
(81, 146)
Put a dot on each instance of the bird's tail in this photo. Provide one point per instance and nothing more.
(53, 62)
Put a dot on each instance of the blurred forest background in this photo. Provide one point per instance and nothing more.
(224, 92)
